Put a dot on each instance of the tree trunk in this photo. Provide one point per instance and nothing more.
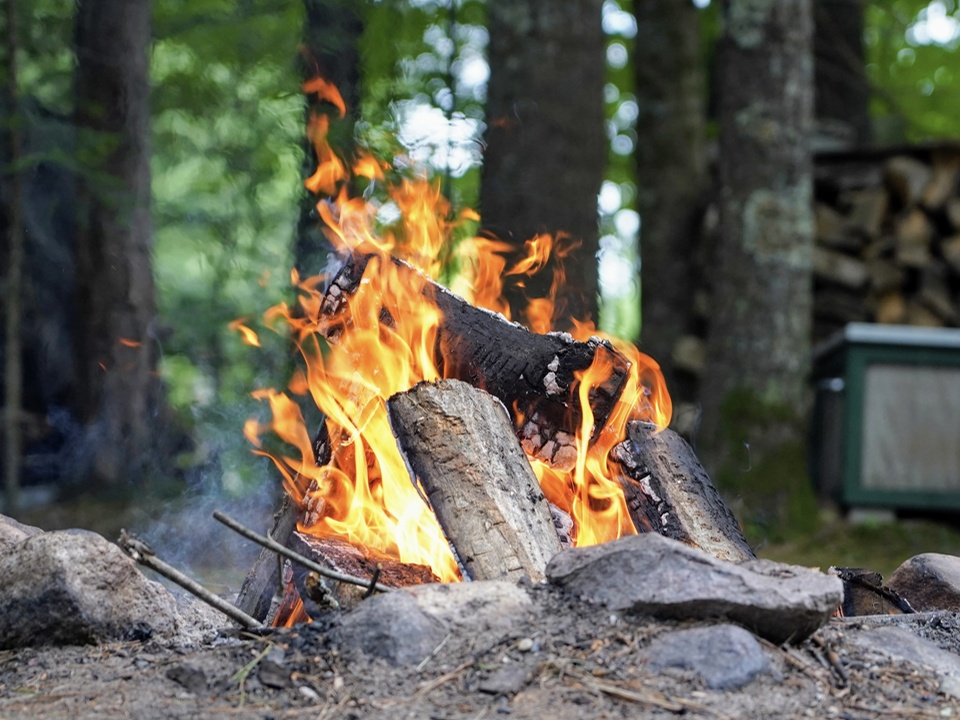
(13, 367)
(758, 345)
(545, 140)
(117, 395)
(671, 173)
(842, 94)
(331, 37)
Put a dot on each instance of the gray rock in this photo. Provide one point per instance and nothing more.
(725, 656)
(73, 587)
(405, 626)
(899, 644)
(13, 532)
(653, 575)
(929, 582)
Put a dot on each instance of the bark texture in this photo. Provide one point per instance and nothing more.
(13, 252)
(532, 374)
(671, 173)
(117, 395)
(669, 492)
(460, 443)
(842, 92)
(331, 33)
(545, 139)
(758, 344)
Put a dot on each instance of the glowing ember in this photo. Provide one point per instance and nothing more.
(384, 342)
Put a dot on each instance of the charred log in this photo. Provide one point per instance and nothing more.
(263, 582)
(865, 594)
(342, 557)
(460, 443)
(533, 375)
(669, 492)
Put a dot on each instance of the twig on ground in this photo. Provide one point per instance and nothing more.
(433, 654)
(144, 554)
(446, 677)
(243, 673)
(295, 556)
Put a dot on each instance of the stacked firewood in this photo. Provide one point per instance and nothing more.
(887, 239)
(887, 250)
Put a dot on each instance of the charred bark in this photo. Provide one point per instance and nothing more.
(342, 557)
(460, 444)
(669, 492)
(533, 375)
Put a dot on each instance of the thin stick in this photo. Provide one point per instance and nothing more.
(373, 581)
(295, 556)
(144, 554)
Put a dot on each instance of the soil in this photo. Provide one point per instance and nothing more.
(577, 661)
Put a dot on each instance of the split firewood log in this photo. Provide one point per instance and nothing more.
(460, 444)
(532, 374)
(669, 492)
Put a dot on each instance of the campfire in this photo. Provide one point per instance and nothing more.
(401, 444)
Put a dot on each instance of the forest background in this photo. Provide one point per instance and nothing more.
(171, 137)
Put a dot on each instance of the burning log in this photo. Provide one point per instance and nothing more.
(263, 582)
(669, 492)
(342, 557)
(532, 374)
(461, 445)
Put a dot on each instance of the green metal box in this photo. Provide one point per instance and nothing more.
(886, 419)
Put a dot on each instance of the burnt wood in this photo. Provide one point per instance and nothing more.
(532, 374)
(262, 583)
(341, 556)
(865, 594)
(459, 442)
(669, 492)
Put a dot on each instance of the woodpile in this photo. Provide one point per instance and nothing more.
(887, 250)
(887, 239)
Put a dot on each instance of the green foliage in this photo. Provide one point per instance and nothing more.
(912, 66)
(227, 138)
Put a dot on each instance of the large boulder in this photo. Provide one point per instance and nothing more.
(13, 532)
(653, 575)
(73, 587)
(405, 626)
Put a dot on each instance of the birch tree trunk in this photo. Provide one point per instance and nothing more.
(758, 346)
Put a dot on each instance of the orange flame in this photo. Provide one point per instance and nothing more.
(246, 334)
(382, 341)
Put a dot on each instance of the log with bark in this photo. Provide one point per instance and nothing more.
(460, 444)
(669, 492)
(534, 375)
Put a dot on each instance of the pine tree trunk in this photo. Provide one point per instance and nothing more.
(671, 173)
(758, 346)
(545, 139)
(117, 395)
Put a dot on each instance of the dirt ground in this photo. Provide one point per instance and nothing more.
(577, 661)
